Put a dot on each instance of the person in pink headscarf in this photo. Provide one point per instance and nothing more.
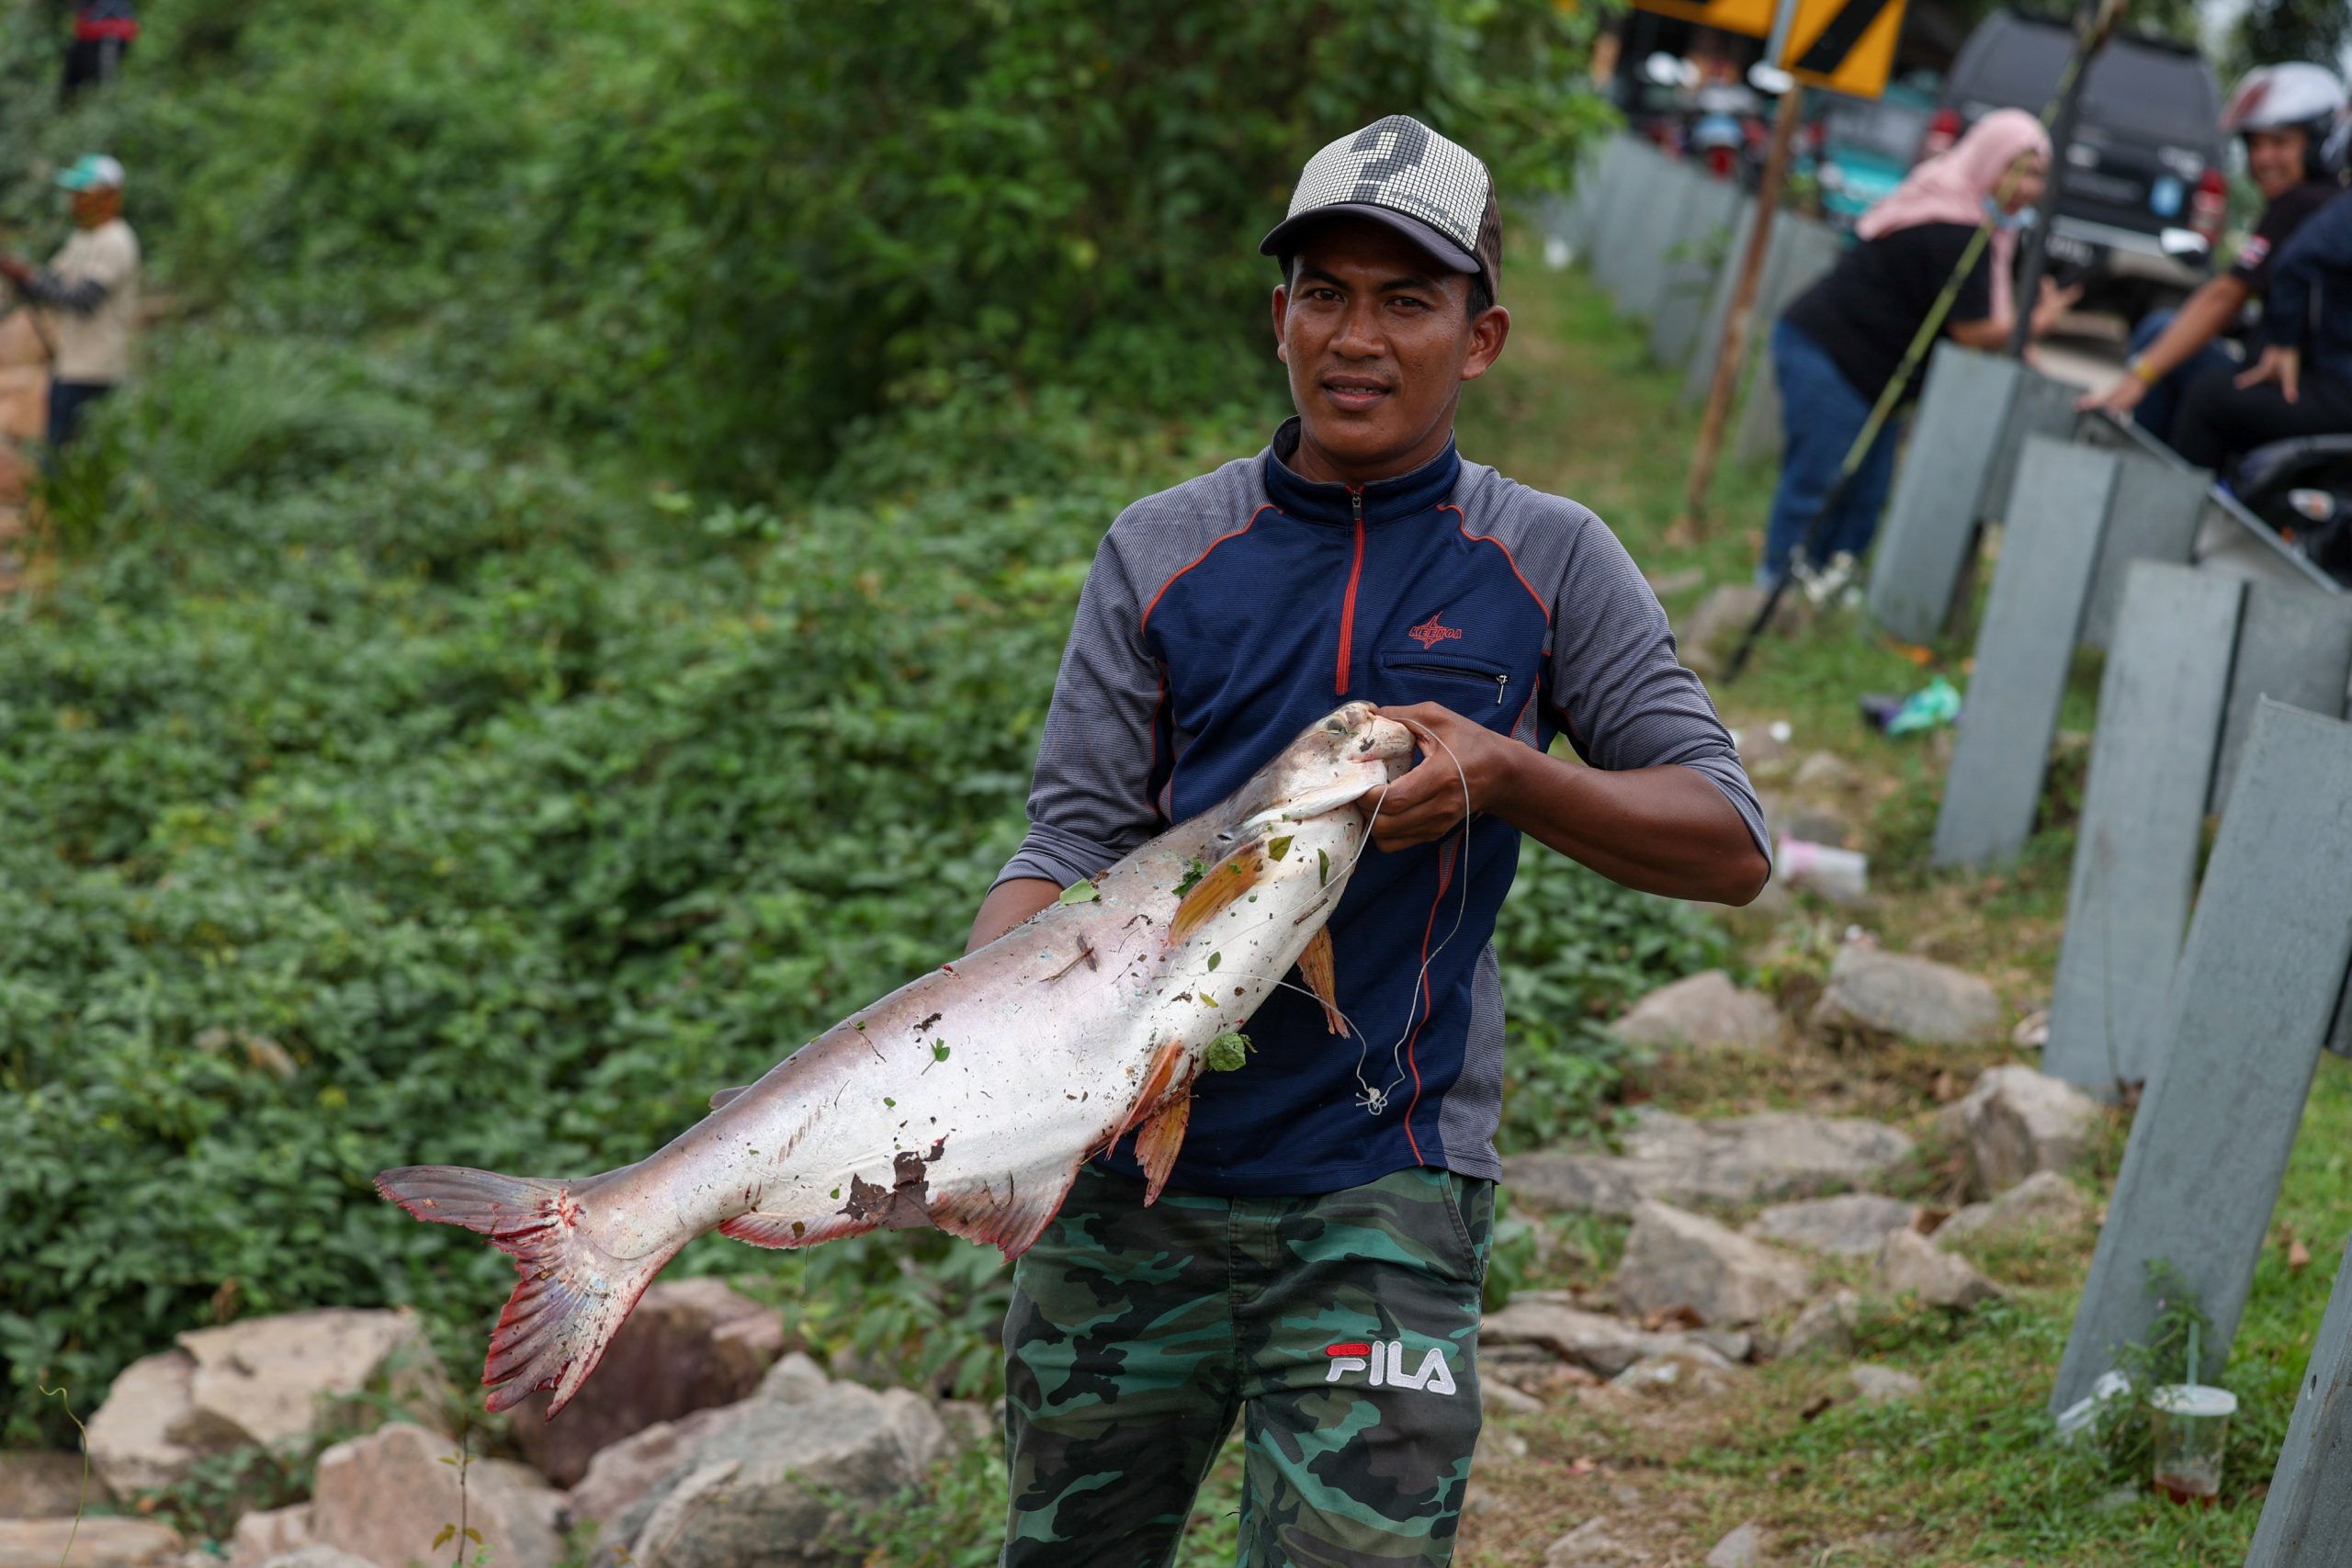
(1835, 349)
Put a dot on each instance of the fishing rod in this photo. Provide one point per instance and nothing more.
(2088, 42)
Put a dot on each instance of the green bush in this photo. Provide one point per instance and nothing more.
(438, 743)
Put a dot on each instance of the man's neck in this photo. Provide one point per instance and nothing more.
(1310, 462)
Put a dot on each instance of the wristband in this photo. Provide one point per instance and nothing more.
(2140, 371)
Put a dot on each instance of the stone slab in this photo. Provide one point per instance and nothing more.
(1693, 261)
(1622, 239)
(2153, 518)
(1931, 523)
(2258, 983)
(2023, 652)
(2294, 647)
(2038, 406)
(1810, 250)
(2307, 1518)
(1599, 178)
(1650, 242)
(2143, 822)
(1699, 371)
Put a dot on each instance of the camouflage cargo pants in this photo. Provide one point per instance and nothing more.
(1343, 1327)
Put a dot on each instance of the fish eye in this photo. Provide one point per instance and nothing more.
(1334, 727)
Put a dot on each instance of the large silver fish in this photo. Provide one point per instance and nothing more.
(968, 1098)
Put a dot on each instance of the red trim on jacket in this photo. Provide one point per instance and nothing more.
(1348, 617)
(1464, 523)
(1144, 624)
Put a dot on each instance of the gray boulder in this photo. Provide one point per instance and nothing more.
(1705, 1009)
(1913, 998)
(1825, 773)
(620, 1475)
(2044, 1202)
(753, 1493)
(1851, 1224)
(1596, 1543)
(318, 1557)
(272, 1378)
(1743, 1547)
(263, 1537)
(1911, 1265)
(1828, 1325)
(1674, 1258)
(35, 1485)
(1738, 1159)
(100, 1542)
(2020, 1122)
(1594, 1341)
(386, 1495)
(1878, 1385)
(148, 1432)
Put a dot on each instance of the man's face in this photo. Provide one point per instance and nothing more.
(92, 207)
(2275, 159)
(1378, 339)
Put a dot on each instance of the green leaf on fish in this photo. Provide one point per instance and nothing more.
(1277, 848)
(1080, 892)
(1322, 868)
(939, 1050)
(1208, 999)
(1228, 1051)
(889, 1101)
(1193, 872)
(1216, 959)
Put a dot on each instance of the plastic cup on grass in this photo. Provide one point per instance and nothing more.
(2192, 1422)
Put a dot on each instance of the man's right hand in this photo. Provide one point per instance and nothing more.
(2119, 400)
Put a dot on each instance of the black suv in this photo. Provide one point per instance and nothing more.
(2145, 186)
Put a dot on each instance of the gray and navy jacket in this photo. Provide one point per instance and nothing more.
(1224, 616)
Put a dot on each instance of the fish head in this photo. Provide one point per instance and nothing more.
(1335, 762)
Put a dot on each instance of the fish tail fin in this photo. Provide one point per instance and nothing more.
(572, 1300)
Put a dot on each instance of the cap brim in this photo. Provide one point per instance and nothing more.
(1285, 237)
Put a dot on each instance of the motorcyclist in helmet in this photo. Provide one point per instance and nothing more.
(2285, 116)
(2303, 384)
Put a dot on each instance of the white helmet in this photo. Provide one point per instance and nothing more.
(2294, 96)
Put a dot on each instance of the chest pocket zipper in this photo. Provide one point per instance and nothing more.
(1460, 672)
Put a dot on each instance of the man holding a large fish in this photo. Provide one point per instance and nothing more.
(1313, 1262)
(1226, 797)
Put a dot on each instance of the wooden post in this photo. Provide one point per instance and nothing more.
(1736, 326)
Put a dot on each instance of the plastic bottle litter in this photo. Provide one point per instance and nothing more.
(1936, 703)
(2192, 1424)
(1839, 876)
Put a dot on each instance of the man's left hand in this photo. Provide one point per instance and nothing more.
(1428, 803)
(2284, 365)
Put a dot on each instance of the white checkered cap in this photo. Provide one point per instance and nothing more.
(1398, 167)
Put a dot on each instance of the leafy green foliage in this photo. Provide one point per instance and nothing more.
(442, 743)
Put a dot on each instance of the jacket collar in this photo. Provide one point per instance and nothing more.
(1385, 501)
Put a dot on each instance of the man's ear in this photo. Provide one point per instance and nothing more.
(1282, 314)
(1487, 337)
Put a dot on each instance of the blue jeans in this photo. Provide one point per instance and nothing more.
(2158, 409)
(1821, 414)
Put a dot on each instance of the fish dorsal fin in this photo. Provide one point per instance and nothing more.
(1320, 968)
(1219, 885)
(1157, 1145)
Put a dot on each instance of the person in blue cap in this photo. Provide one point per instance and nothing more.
(88, 295)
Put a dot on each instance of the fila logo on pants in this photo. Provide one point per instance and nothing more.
(1382, 1363)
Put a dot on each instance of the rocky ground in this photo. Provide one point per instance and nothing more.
(1764, 1237)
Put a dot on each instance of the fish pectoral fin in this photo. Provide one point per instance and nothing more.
(757, 1229)
(1320, 968)
(1219, 885)
(718, 1102)
(1157, 1145)
(1009, 1211)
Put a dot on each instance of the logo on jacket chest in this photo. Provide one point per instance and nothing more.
(1431, 632)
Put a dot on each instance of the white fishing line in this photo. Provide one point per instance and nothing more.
(1374, 1101)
